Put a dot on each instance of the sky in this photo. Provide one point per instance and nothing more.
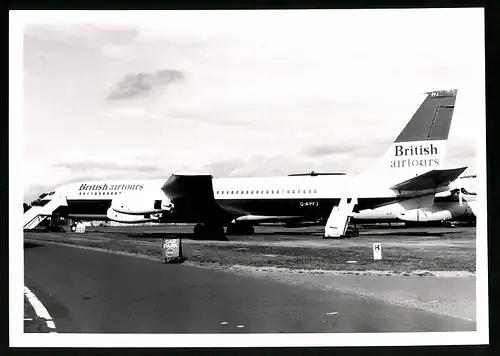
(138, 95)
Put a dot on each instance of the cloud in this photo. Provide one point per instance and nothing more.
(224, 168)
(141, 84)
(79, 34)
(284, 164)
(33, 191)
(328, 149)
(349, 147)
(236, 99)
(463, 153)
(85, 166)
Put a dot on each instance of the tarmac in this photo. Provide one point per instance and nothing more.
(86, 290)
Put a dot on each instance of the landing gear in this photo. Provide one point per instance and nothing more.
(352, 231)
(449, 224)
(209, 232)
(240, 229)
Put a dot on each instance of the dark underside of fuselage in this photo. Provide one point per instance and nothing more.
(308, 208)
(232, 208)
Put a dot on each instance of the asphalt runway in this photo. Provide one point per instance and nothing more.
(96, 292)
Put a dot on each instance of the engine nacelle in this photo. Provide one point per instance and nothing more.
(421, 215)
(114, 215)
(140, 204)
(375, 214)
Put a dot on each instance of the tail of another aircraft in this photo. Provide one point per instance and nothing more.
(421, 146)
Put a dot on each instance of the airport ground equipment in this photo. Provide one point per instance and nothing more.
(336, 225)
(37, 214)
(80, 228)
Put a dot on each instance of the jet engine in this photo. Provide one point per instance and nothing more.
(441, 212)
(128, 218)
(421, 215)
(139, 207)
(140, 204)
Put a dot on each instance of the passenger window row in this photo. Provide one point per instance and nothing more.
(99, 193)
(227, 192)
(275, 192)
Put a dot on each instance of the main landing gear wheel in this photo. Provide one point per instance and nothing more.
(73, 227)
(209, 232)
(240, 229)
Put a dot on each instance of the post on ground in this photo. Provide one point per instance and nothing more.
(377, 251)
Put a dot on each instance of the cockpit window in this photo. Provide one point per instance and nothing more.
(39, 202)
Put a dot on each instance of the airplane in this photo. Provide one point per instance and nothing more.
(458, 203)
(410, 172)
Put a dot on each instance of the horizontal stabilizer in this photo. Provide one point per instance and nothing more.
(430, 180)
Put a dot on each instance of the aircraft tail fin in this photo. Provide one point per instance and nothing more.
(421, 145)
(432, 120)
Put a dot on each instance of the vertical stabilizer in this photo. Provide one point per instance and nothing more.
(421, 146)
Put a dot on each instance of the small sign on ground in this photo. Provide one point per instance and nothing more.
(172, 250)
(377, 251)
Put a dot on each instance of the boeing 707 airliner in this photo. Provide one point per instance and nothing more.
(410, 173)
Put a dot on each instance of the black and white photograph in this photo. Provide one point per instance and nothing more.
(247, 178)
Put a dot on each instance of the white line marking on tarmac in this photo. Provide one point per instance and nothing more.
(224, 323)
(332, 313)
(240, 326)
(40, 309)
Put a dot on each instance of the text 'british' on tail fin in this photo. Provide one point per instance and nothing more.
(421, 145)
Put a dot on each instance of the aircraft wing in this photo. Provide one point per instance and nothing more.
(193, 197)
(430, 180)
(187, 185)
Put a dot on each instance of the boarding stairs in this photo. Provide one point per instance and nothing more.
(36, 214)
(338, 221)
